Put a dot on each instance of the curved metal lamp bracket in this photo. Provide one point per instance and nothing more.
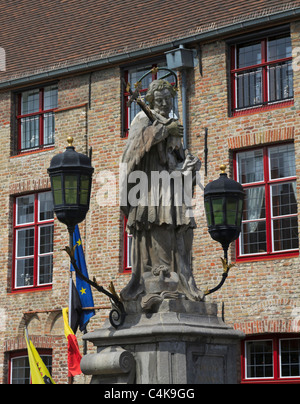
(117, 314)
(226, 268)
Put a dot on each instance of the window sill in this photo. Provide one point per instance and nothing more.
(34, 151)
(30, 289)
(271, 381)
(268, 257)
(126, 272)
(257, 110)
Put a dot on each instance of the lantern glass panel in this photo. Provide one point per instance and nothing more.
(71, 189)
(84, 189)
(231, 211)
(240, 212)
(217, 204)
(57, 190)
(208, 213)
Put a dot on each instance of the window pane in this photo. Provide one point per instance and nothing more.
(290, 358)
(253, 235)
(259, 359)
(20, 371)
(50, 97)
(284, 199)
(249, 88)
(30, 132)
(282, 161)
(24, 273)
(47, 359)
(285, 233)
(281, 81)
(30, 102)
(46, 239)
(46, 206)
(129, 249)
(49, 128)
(250, 166)
(46, 247)
(249, 55)
(279, 48)
(25, 209)
(45, 269)
(25, 242)
(254, 238)
(255, 204)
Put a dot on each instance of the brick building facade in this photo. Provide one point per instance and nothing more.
(243, 93)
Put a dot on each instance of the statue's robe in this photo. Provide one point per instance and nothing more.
(162, 232)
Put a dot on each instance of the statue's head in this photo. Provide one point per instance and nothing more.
(160, 97)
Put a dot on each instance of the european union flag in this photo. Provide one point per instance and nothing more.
(84, 289)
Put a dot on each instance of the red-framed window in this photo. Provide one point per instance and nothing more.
(132, 75)
(127, 263)
(270, 217)
(35, 118)
(261, 73)
(271, 359)
(33, 241)
(19, 369)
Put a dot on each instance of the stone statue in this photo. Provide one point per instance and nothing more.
(159, 215)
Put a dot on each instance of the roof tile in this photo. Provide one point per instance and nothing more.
(39, 34)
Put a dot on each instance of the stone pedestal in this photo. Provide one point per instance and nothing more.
(183, 343)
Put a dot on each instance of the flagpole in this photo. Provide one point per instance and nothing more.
(70, 296)
(71, 277)
(71, 378)
(26, 331)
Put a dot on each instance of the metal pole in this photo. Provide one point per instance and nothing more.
(71, 278)
(184, 108)
(71, 378)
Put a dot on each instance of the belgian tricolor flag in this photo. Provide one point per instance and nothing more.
(74, 356)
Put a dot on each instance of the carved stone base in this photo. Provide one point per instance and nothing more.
(183, 343)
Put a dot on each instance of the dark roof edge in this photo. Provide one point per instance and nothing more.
(124, 57)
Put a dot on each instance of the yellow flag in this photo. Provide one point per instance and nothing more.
(38, 370)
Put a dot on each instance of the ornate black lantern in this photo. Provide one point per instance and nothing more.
(71, 181)
(224, 199)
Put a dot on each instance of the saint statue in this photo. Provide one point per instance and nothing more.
(159, 218)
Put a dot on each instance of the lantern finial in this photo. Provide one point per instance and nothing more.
(70, 141)
(223, 168)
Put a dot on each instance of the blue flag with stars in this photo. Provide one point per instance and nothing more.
(84, 289)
